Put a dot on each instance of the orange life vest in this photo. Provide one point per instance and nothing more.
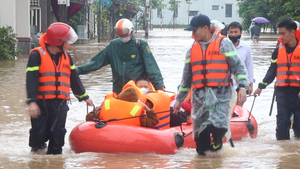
(161, 105)
(209, 67)
(288, 66)
(54, 80)
(297, 35)
(115, 108)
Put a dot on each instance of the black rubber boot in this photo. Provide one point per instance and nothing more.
(39, 147)
(203, 142)
(218, 135)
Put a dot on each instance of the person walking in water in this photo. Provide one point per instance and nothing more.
(250, 27)
(285, 66)
(207, 72)
(50, 75)
(235, 31)
(255, 31)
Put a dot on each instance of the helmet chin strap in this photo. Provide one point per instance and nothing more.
(61, 47)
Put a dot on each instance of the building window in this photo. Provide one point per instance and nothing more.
(215, 7)
(193, 13)
(35, 3)
(228, 10)
(159, 13)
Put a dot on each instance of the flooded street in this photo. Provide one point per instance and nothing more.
(169, 48)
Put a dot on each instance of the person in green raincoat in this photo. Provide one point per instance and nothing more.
(129, 59)
(208, 65)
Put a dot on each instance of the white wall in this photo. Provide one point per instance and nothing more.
(8, 13)
(203, 6)
(23, 20)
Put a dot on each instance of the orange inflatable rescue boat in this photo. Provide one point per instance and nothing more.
(119, 138)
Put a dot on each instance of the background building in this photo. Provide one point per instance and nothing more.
(221, 10)
(15, 13)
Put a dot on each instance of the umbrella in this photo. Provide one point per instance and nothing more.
(260, 20)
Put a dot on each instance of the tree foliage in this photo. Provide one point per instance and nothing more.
(273, 10)
(174, 4)
(8, 41)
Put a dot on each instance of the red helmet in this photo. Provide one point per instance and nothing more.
(58, 33)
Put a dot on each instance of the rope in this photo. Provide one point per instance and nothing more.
(115, 119)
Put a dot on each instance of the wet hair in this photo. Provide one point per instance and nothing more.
(235, 25)
(288, 24)
(141, 78)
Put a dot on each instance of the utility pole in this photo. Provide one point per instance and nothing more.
(99, 20)
(146, 16)
(63, 10)
(188, 14)
(88, 35)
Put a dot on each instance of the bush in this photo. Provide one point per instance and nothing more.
(8, 42)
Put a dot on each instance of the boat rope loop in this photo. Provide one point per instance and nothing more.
(183, 133)
(248, 123)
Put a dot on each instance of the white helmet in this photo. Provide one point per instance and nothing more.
(123, 27)
(297, 24)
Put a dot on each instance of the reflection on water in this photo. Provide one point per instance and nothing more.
(169, 48)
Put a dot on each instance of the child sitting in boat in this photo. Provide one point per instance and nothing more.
(129, 94)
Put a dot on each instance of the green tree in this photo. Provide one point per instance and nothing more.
(273, 10)
(8, 49)
(291, 8)
(250, 9)
(174, 4)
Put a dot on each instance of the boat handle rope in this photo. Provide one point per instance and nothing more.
(183, 133)
(102, 123)
(248, 123)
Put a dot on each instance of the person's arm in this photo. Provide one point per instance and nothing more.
(270, 75)
(96, 63)
(237, 68)
(186, 82)
(151, 119)
(151, 67)
(236, 65)
(77, 86)
(32, 75)
(32, 83)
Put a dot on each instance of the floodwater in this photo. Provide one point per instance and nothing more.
(169, 48)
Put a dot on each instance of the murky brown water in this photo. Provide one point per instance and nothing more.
(169, 47)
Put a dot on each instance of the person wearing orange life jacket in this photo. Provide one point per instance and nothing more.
(285, 66)
(132, 92)
(50, 75)
(207, 72)
(157, 101)
(127, 102)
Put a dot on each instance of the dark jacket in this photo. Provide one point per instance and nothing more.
(272, 72)
(32, 78)
(255, 30)
(126, 63)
